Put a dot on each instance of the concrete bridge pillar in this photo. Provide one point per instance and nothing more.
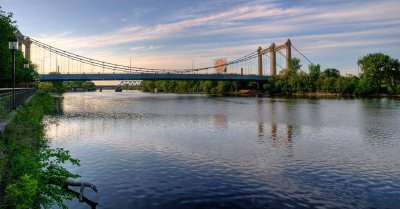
(27, 44)
(20, 44)
(259, 61)
(273, 60)
(288, 53)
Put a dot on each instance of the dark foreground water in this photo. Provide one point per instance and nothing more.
(196, 151)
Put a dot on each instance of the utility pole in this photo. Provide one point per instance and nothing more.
(26, 67)
(13, 45)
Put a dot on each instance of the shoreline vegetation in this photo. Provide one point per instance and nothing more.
(31, 172)
(31, 175)
(380, 76)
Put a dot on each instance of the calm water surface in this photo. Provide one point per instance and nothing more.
(196, 151)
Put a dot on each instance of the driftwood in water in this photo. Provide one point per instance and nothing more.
(82, 186)
(68, 182)
(91, 203)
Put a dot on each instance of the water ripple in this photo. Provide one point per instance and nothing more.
(193, 151)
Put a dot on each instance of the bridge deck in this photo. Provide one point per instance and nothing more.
(218, 77)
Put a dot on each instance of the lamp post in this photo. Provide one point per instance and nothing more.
(13, 45)
(26, 67)
(33, 79)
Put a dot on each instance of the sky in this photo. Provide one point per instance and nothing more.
(182, 33)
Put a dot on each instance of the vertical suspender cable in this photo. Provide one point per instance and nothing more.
(50, 59)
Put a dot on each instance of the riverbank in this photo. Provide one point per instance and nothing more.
(28, 166)
(251, 93)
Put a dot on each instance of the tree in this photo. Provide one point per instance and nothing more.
(46, 86)
(74, 84)
(392, 76)
(346, 85)
(379, 71)
(331, 72)
(294, 66)
(88, 84)
(302, 82)
(58, 85)
(327, 84)
(7, 29)
(314, 73)
(292, 75)
(365, 86)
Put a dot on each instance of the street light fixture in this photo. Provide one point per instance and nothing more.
(26, 67)
(13, 45)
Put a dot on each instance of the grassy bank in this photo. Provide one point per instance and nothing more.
(31, 174)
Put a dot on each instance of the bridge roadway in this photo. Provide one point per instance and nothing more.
(148, 76)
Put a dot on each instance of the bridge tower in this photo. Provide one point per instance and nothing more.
(260, 83)
(273, 60)
(273, 49)
(259, 61)
(26, 42)
(288, 46)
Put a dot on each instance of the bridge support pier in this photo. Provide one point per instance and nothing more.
(26, 42)
(273, 60)
(28, 50)
(259, 61)
(288, 45)
(260, 85)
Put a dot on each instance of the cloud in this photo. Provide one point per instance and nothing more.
(138, 33)
(137, 48)
(145, 48)
(235, 31)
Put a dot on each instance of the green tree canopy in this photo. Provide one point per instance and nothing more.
(88, 84)
(7, 29)
(314, 74)
(379, 71)
(331, 72)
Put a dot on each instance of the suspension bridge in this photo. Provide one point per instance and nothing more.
(67, 66)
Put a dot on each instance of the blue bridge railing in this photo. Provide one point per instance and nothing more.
(149, 76)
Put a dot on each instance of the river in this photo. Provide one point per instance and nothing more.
(146, 150)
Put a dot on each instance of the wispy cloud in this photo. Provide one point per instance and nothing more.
(215, 22)
(144, 48)
(235, 30)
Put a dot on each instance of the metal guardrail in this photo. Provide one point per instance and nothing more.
(6, 103)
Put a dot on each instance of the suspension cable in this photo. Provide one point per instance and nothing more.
(275, 62)
(111, 66)
(302, 54)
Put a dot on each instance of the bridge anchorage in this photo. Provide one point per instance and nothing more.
(69, 66)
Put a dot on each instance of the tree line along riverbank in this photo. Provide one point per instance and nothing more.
(380, 74)
(31, 174)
